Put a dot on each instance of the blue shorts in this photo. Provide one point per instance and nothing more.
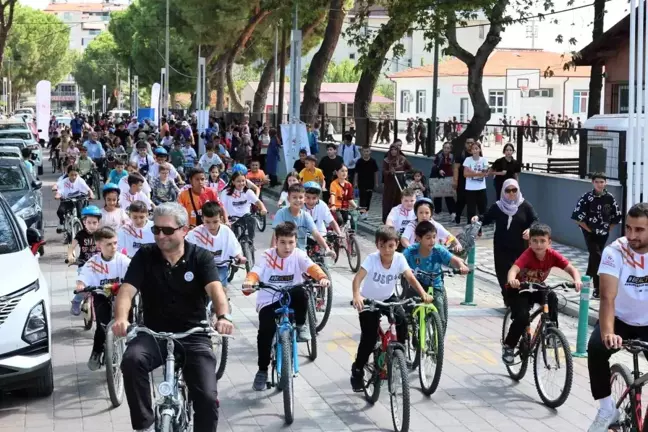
(222, 274)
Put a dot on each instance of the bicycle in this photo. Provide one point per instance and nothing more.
(547, 337)
(260, 219)
(284, 359)
(56, 161)
(350, 243)
(628, 399)
(388, 364)
(240, 228)
(71, 222)
(113, 347)
(173, 409)
(87, 307)
(323, 295)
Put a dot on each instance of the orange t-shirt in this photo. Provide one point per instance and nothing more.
(208, 194)
(341, 195)
(258, 178)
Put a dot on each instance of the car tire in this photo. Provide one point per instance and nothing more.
(44, 384)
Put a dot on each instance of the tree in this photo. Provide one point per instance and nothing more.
(7, 9)
(343, 72)
(98, 65)
(320, 62)
(596, 71)
(38, 43)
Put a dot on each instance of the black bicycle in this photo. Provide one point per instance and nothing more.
(240, 227)
(547, 345)
(627, 388)
(323, 296)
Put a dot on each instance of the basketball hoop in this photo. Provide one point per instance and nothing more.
(524, 91)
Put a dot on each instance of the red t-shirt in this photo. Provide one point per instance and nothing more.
(534, 270)
(207, 194)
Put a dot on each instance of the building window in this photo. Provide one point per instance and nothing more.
(496, 100)
(482, 31)
(93, 32)
(67, 16)
(580, 101)
(420, 101)
(541, 93)
(351, 20)
(352, 56)
(405, 99)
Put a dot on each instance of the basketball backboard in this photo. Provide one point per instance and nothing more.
(522, 78)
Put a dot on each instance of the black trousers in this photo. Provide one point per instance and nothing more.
(438, 205)
(144, 354)
(461, 200)
(504, 260)
(103, 314)
(268, 325)
(595, 245)
(422, 143)
(326, 196)
(475, 203)
(598, 356)
(67, 206)
(369, 323)
(521, 305)
(364, 197)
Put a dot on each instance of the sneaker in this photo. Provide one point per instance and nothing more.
(75, 309)
(94, 363)
(596, 295)
(603, 421)
(148, 429)
(303, 334)
(60, 228)
(508, 355)
(453, 216)
(357, 379)
(260, 381)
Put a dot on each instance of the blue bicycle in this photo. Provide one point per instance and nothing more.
(284, 360)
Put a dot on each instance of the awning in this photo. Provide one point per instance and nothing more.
(348, 98)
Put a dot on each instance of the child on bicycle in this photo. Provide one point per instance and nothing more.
(215, 181)
(427, 255)
(112, 215)
(131, 236)
(378, 276)
(237, 200)
(401, 215)
(215, 236)
(341, 200)
(210, 158)
(90, 217)
(282, 265)
(318, 210)
(424, 211)
(117, 173)
(131, 168)
(67, 186)
(107, 267)
(291, 179)
(257, 176)
(134, 193)
(534, 265)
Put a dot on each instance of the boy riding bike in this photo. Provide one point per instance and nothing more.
(283, 264)
(534, 265)
(90, 217)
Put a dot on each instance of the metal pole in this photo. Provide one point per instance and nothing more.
(632, 87)
(130, 84)
(469, 299)
(166, 63)
(92, 102)
(282, 77)
(118, 104)
(583, 318)
(198, 83)
(435, 89)
(274, 75)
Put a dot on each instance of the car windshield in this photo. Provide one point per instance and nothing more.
(13, 125)
(9, 243)
(16, 134)
(19, 144)
(12, 179)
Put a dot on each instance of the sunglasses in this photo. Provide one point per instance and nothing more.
(165, 230)
(511, 190)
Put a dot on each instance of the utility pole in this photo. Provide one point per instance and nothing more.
(130, 85)
(117, 95)
(282, 75)
(435, 88)
(165, 103)
(532, 32)
(295, 69)
(274, 78)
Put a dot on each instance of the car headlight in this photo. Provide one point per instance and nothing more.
(27, 207)
(36, 325)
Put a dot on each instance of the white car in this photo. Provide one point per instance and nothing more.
(29, 111)
(25, 322)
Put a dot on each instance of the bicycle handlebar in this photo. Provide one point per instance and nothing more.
(93, 288)
(133, 330)
(635, 344)
(372, 305)
(445, 272)
(535, 286)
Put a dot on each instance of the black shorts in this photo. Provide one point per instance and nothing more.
(76, 136)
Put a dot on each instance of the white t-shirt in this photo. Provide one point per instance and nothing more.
(123, 186)
(132, 238)
(114, 219)
(481, 164)
(127, 198)
(443, 236)
(321, 215)
(206, 162)
(66, 187)
(142, 160)
(155, 171)
(620, 261)
(223, 245)
(283, 198)
(380, 282)
(279, 272)
(97, 271)
(238, 204)
(401, 217)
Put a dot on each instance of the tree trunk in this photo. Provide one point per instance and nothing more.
(6, 21)
(372, 66)
(239, 45)
(596, 71)
(321, 60)
(475, 64)
(267, 76)
(218, 72)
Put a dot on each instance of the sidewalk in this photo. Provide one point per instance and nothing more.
(484, 258)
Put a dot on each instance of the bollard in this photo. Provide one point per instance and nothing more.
(470, 280)
(583, 318)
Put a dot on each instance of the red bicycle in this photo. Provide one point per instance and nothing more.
(626, 389)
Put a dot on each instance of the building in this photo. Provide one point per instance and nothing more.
(514, 84)
(613, 50)
(470, 37)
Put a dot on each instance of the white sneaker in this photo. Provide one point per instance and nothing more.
(603, 421)
(453, 216)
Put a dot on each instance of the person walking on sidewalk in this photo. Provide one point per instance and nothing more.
(393, 163)
(442, 168)
(459, 180)
(596, 213)
(512, 216)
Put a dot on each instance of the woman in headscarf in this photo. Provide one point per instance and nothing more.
(393, 163)
(512, 216)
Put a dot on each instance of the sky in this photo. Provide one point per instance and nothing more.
(573, 24)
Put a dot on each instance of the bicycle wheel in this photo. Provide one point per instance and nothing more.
(621, 380)
(519, 367)
(54, 164)
(260, 222)
(312, 327)
(113, 352)
(399, 391)
(411, 343)
(221, 351)
(88, 313)
(431, 353)
(372, 380)
(323, 302)
(96, 183)
(286, 377)
(165, 423)
(553, 356)
(249, 256)
(445, 311)
(353, 254)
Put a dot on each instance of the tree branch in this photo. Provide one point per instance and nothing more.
(453, 45)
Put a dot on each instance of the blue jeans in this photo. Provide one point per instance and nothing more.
(222, 274)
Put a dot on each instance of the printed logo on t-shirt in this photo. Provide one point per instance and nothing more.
(207, 240)
(534, 275)
(109, 281)
(281, 278)
(637, 281)
(276, 263)
(134, 232)
(98, 268)
(383, 279)
(609, 262)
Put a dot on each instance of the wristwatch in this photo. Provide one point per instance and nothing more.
(226, 317)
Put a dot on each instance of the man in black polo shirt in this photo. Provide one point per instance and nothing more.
(175, 279)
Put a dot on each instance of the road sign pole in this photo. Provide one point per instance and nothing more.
(583, 318)
(469, 299)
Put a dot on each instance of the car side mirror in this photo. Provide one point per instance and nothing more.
(33, 236)
(37, 184)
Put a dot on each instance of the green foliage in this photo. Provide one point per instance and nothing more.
(97, 66)
(343, 72)
(38, 45)
(386, 88)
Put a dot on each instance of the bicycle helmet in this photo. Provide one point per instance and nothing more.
(92, 210)
(419, 202)
(312, 185)
(239, 167)
(110, 187)
(161, 151)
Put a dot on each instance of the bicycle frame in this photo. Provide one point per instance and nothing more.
(284, 325)
(420, 312)
(388, 342)
(637, 385)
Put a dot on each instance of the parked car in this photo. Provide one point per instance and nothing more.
(10, 152)
(18, 129)
(29, 111)
(22, 191)
(25, 317)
